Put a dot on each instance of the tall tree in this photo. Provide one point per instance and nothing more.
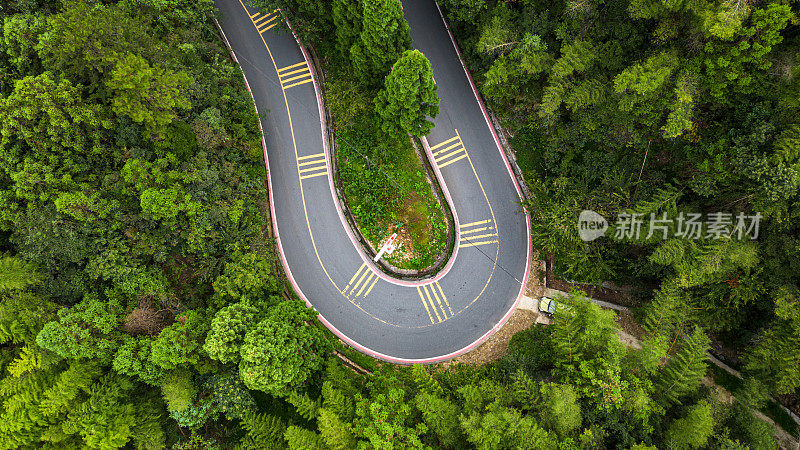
(348, 16)
(685, 370)
(384, 38)
(693, 429)
(409, 96)
(148, 94)
(775, 359)
(16, 274)
(281, 352)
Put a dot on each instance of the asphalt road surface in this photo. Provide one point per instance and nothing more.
(395, 320)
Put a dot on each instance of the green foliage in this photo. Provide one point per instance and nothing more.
(281, 352)
(442, 418)
(231, 396)
(248, 275)
(178, 390)
(501, 427)
(22, 315)
(146, 94)
(335, 433)
(133, 358)
(87, 330)
(385, 418)
(76, 405)
(559, 408)
(685, 370)
(384, 37)
(228, 329)
(465, 11)
(409, 96)
(177, 345)
(425, 381)
(300, 439)
(347, 20)
(305, 406)
(775, 359)
(693, 429)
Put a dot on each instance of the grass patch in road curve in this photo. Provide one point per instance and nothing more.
(383, 180)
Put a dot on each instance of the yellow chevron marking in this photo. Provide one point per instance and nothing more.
(443, 143)
(316, 155)
(291, 67)
(474, 223)
(425, 303)
(473, 244)
(444, 297)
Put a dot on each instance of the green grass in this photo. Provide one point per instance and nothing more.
(383, 179)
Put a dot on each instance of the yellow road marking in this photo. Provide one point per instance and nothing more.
(309, 162)
(358, 283)
(298, 84)
(433, 305)
(363, 265)
(452, 161)
(427, 300)
(292, 66)
(259, 21)
(450, 154)
(366, 282)
(297, 77)
(474, 223)
(372, 286)
(313, 169)
(419, 291)
(473, 244)
(316, 155)
(475, 230)
(470, 238)
(269, 27)
(444, 297)
(293, 76)
(302, 69)
(439, 301)
(314, 175)
(446, 149)
(317, 166)
(444, 143)
(480, 236)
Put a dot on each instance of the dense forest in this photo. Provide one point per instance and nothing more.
(664, 110)
(142, 304)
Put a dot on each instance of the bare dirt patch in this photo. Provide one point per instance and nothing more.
(496, 346)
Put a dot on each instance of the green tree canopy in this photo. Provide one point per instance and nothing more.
(384, 38)
(409, 96)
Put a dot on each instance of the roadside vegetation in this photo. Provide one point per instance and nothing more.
(383, 179)
(652, 108)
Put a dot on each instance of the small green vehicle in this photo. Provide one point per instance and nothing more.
(547, 305)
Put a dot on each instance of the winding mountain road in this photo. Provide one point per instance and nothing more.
(395, 320)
